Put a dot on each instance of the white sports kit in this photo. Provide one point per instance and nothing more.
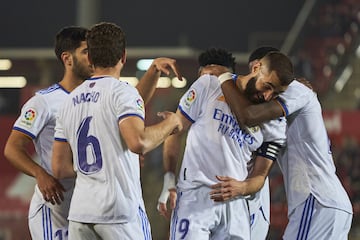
(37, 120)
(318, 205)
(215, 145)
(107, 192)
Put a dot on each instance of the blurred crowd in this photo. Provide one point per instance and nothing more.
(328, 40)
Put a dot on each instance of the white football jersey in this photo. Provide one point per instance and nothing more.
(107, 188)
(215, 144)
(306, 163)
(37, 120)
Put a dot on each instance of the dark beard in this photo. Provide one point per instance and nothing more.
(81, 71)
(250, 90)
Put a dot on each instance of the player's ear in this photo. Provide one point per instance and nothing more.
(252, 63)
(255, 68)
(66, 57)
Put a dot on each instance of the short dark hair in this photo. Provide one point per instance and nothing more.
(69, 39)
(106, 43)
(217, 56)
(281, 64)
(260, 52)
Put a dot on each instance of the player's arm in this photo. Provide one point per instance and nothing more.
(229, 188)
(15, 151)
(148, 82)
(259, 113)
(141, 139)
(62, 161)
(172, 151)
(246, 113)
(255, 181)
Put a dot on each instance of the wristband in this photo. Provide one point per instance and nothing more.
(169, 183)
(227, 76)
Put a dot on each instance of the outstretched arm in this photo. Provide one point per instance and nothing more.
(140, 139)
(148, 82)
(172, 152)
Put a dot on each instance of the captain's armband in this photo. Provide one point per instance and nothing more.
(269, 150)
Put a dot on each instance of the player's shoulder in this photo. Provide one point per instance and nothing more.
(54, 91)
(296, 90)
(51, 96)
(116, 87)
(297, 86)
(206, 84)
(48, 90)
(208, 79)
(107, 82)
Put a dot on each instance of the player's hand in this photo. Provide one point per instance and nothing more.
(174, 118)
(226, 189)
(168, 194)
(164, 65)
(50, 187)
(162, 207)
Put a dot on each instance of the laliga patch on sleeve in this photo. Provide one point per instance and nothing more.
(190, 98)
(140, 104)
(28, 118)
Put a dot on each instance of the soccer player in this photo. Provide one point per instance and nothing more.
(218, 150)
(259, 204)
(99, 133)
(36, 123)
(318, 205)
(217, 63)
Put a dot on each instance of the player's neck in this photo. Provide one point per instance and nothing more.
(110, 71)
(241, 85)
(69, 83)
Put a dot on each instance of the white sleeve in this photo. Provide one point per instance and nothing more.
(275, 131)
(274, 138)
(59, 134)
(296, 96)
(33, 117)
(127, 102)
(191, 103)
